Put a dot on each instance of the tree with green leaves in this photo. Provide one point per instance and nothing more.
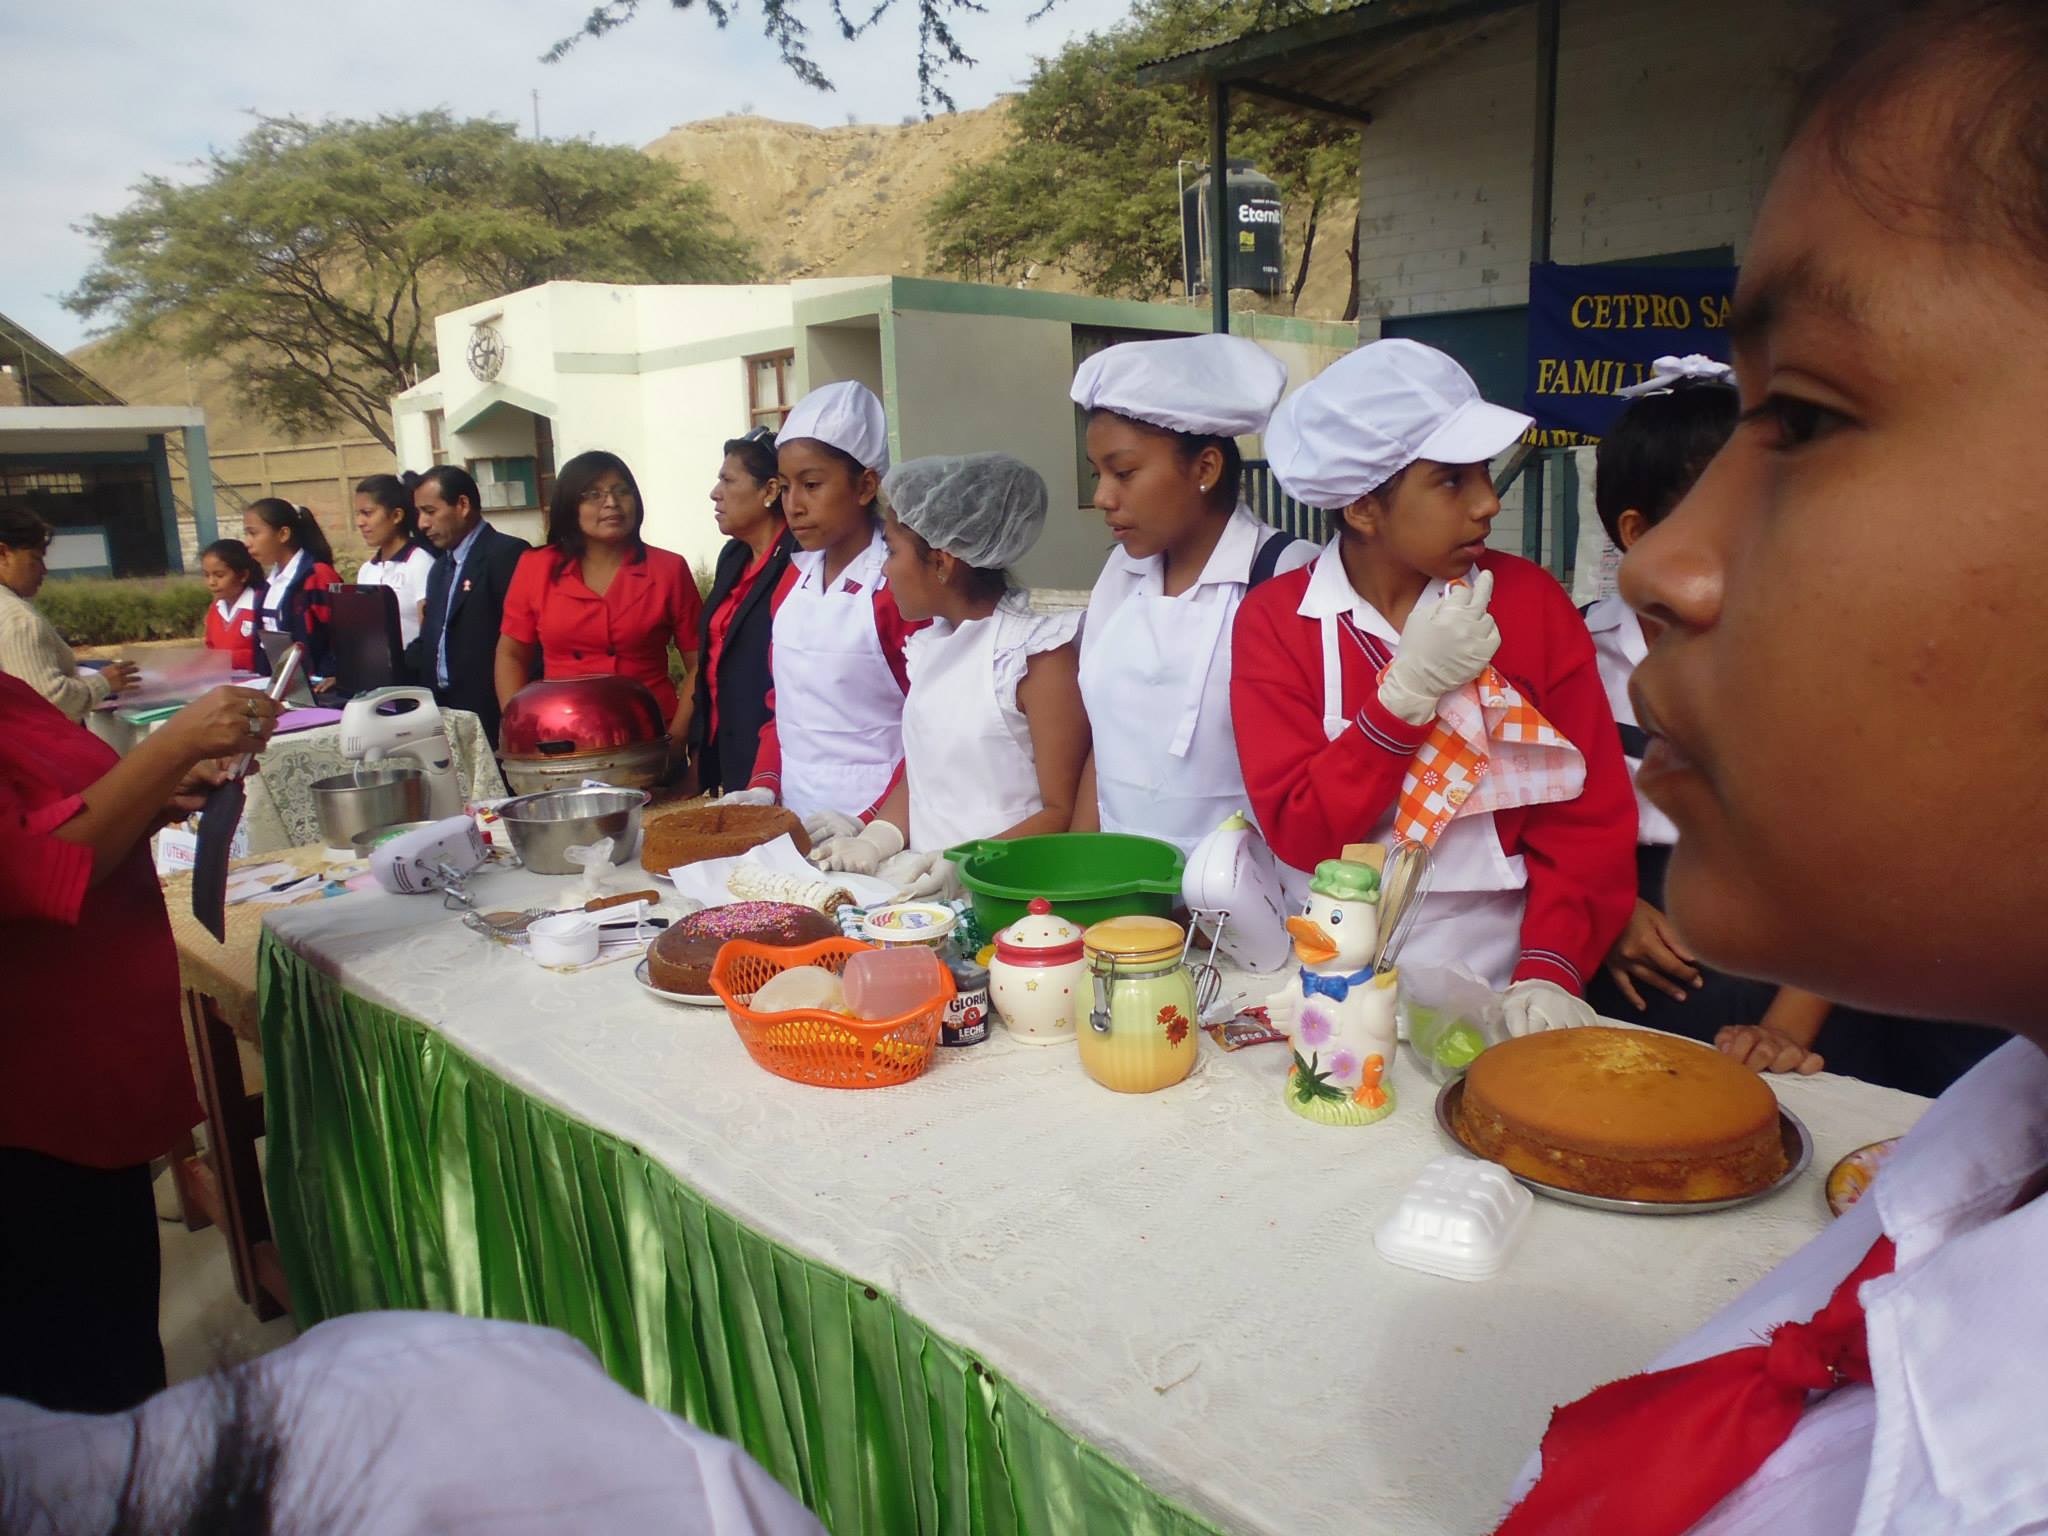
(316, 255)
(1088, 183)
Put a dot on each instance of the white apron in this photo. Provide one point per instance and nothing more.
(1472, 916)
(838, 710)
(1165, 755)
(969, 765)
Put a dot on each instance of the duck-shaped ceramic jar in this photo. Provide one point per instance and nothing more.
(1336, 1011)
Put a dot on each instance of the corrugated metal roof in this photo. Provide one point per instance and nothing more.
(50, 378)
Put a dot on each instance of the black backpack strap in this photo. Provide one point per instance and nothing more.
(1268, 558)
(1635, 741)
(1586, 609)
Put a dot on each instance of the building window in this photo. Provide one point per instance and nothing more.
(768, 399)
(435, 446)
(508, 485)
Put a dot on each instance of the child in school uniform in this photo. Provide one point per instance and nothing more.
(236, 582)
(1413, 684)
(994, 731)
(1843, 702)
(833, 746)
(1675, 423)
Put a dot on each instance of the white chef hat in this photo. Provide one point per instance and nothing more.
(984, 508)
(845, 415)
(1211, 386)
(1372, 413)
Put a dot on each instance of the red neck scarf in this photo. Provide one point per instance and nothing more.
(1649, 1455)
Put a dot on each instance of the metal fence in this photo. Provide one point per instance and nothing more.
(1272, 505)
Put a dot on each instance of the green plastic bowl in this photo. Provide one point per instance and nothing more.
(1087, 876)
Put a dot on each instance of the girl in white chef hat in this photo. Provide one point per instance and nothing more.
(833, 744)
(1163, 420)
(994, 732)
(1414, 684)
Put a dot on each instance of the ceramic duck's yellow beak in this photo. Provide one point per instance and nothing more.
(1311, 943)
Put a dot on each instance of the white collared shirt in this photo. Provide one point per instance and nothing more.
(1950, 1437)
(227, 611)
(1330, 594)
(1225, 575)
(1619, 647)
(407, 575)
(275, 582)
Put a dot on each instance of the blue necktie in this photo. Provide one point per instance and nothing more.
(1336, 988)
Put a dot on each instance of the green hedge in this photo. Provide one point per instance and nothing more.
(89, 612)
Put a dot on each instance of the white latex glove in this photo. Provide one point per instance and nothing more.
(1531, 1007)
(823, 826)
(747, 797)
(862, 854)
(922, 877)
(1443, 647)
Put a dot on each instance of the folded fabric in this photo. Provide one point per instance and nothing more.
(1489, 749)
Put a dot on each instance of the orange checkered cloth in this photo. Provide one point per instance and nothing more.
(1489, 749)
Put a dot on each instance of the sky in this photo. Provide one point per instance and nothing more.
(101, 94)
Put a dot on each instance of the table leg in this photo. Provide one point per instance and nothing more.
(234, 1121)
(197, 1200)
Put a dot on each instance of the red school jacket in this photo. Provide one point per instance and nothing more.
(1312, 795)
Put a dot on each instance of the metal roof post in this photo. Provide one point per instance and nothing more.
(1219, 207)
(1542, 184)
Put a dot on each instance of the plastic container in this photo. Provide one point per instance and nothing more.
(884, 983)
(804, 987)
(1461, 1219)
(923, 924)
(823, 1049)
(567, 938)
(1449, 1016)
(1087, 876)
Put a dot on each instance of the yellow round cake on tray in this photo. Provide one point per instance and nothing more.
(1629, 1114)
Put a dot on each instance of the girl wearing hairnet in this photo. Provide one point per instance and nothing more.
(994, 732)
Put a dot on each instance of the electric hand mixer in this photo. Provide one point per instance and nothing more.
(404, 723)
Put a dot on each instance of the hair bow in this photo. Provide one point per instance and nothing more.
(1667, 373)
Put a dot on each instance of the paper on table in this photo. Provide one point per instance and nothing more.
(705, 881)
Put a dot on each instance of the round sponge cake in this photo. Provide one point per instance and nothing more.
(1626, 1113)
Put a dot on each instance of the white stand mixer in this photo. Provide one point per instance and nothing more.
(406, 723)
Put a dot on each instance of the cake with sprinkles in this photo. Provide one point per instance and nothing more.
(680, 960)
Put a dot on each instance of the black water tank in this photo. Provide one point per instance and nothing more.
(1253, 235)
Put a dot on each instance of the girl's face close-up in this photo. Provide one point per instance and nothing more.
(1849, 697)
(911, 570)
(738, 500)
(1148, 492)
(270, 546)
(1435, 517)
(375, 522)
(827, 499)
(221, 580)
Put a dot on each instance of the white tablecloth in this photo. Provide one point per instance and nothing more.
(1185, 1280)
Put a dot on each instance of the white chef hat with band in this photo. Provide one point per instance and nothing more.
(984, 508)
(847, 416)
(1210, 386)
(1372, 413)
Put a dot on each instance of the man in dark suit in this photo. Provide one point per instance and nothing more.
(458, 641)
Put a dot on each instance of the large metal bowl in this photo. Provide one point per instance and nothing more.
(544, 827)
(371, 795)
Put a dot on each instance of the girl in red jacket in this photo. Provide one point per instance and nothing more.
(236, 582)
(1414, 684)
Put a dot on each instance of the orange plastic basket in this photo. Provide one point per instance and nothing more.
(827, 1050)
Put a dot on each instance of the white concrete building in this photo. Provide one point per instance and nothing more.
(663, 376)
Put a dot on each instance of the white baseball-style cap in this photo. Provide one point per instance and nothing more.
(1372, 413)
(849, 417)
(1212, 386)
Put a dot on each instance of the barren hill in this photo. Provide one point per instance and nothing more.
(814, 202)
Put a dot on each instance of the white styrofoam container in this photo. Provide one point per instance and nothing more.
(1461, 1219)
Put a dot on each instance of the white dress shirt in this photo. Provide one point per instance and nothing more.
(406, 575)
(1950, 1438)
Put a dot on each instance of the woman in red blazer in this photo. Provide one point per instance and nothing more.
(597, 599)
(1360, 669)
